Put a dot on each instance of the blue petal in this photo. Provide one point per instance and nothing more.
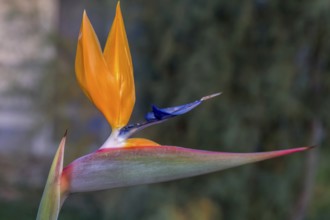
(158, 115)
(165, 113)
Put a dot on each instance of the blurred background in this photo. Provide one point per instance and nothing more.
(271, 60)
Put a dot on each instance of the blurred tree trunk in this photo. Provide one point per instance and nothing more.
(314, 67)
(26, 52)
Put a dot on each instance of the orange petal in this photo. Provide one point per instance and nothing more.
(93, 75)
(138, 142)
(118, 58)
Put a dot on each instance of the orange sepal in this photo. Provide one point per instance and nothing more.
(139, 142)
(107, 78)
(93, 75)
(118, 58)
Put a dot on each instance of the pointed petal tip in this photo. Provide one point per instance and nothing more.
(310, 147)
(84, 22)
(84, 14)
(118, 10)
(65, 133)
(210, 96)
(294, 150)
(305, 148)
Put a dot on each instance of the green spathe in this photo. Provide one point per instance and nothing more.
(119, 167)
(50, 204)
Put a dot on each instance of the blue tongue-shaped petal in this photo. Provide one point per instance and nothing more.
(158, 115)
(165, 113)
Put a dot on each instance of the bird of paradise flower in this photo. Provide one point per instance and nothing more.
(107, 80)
